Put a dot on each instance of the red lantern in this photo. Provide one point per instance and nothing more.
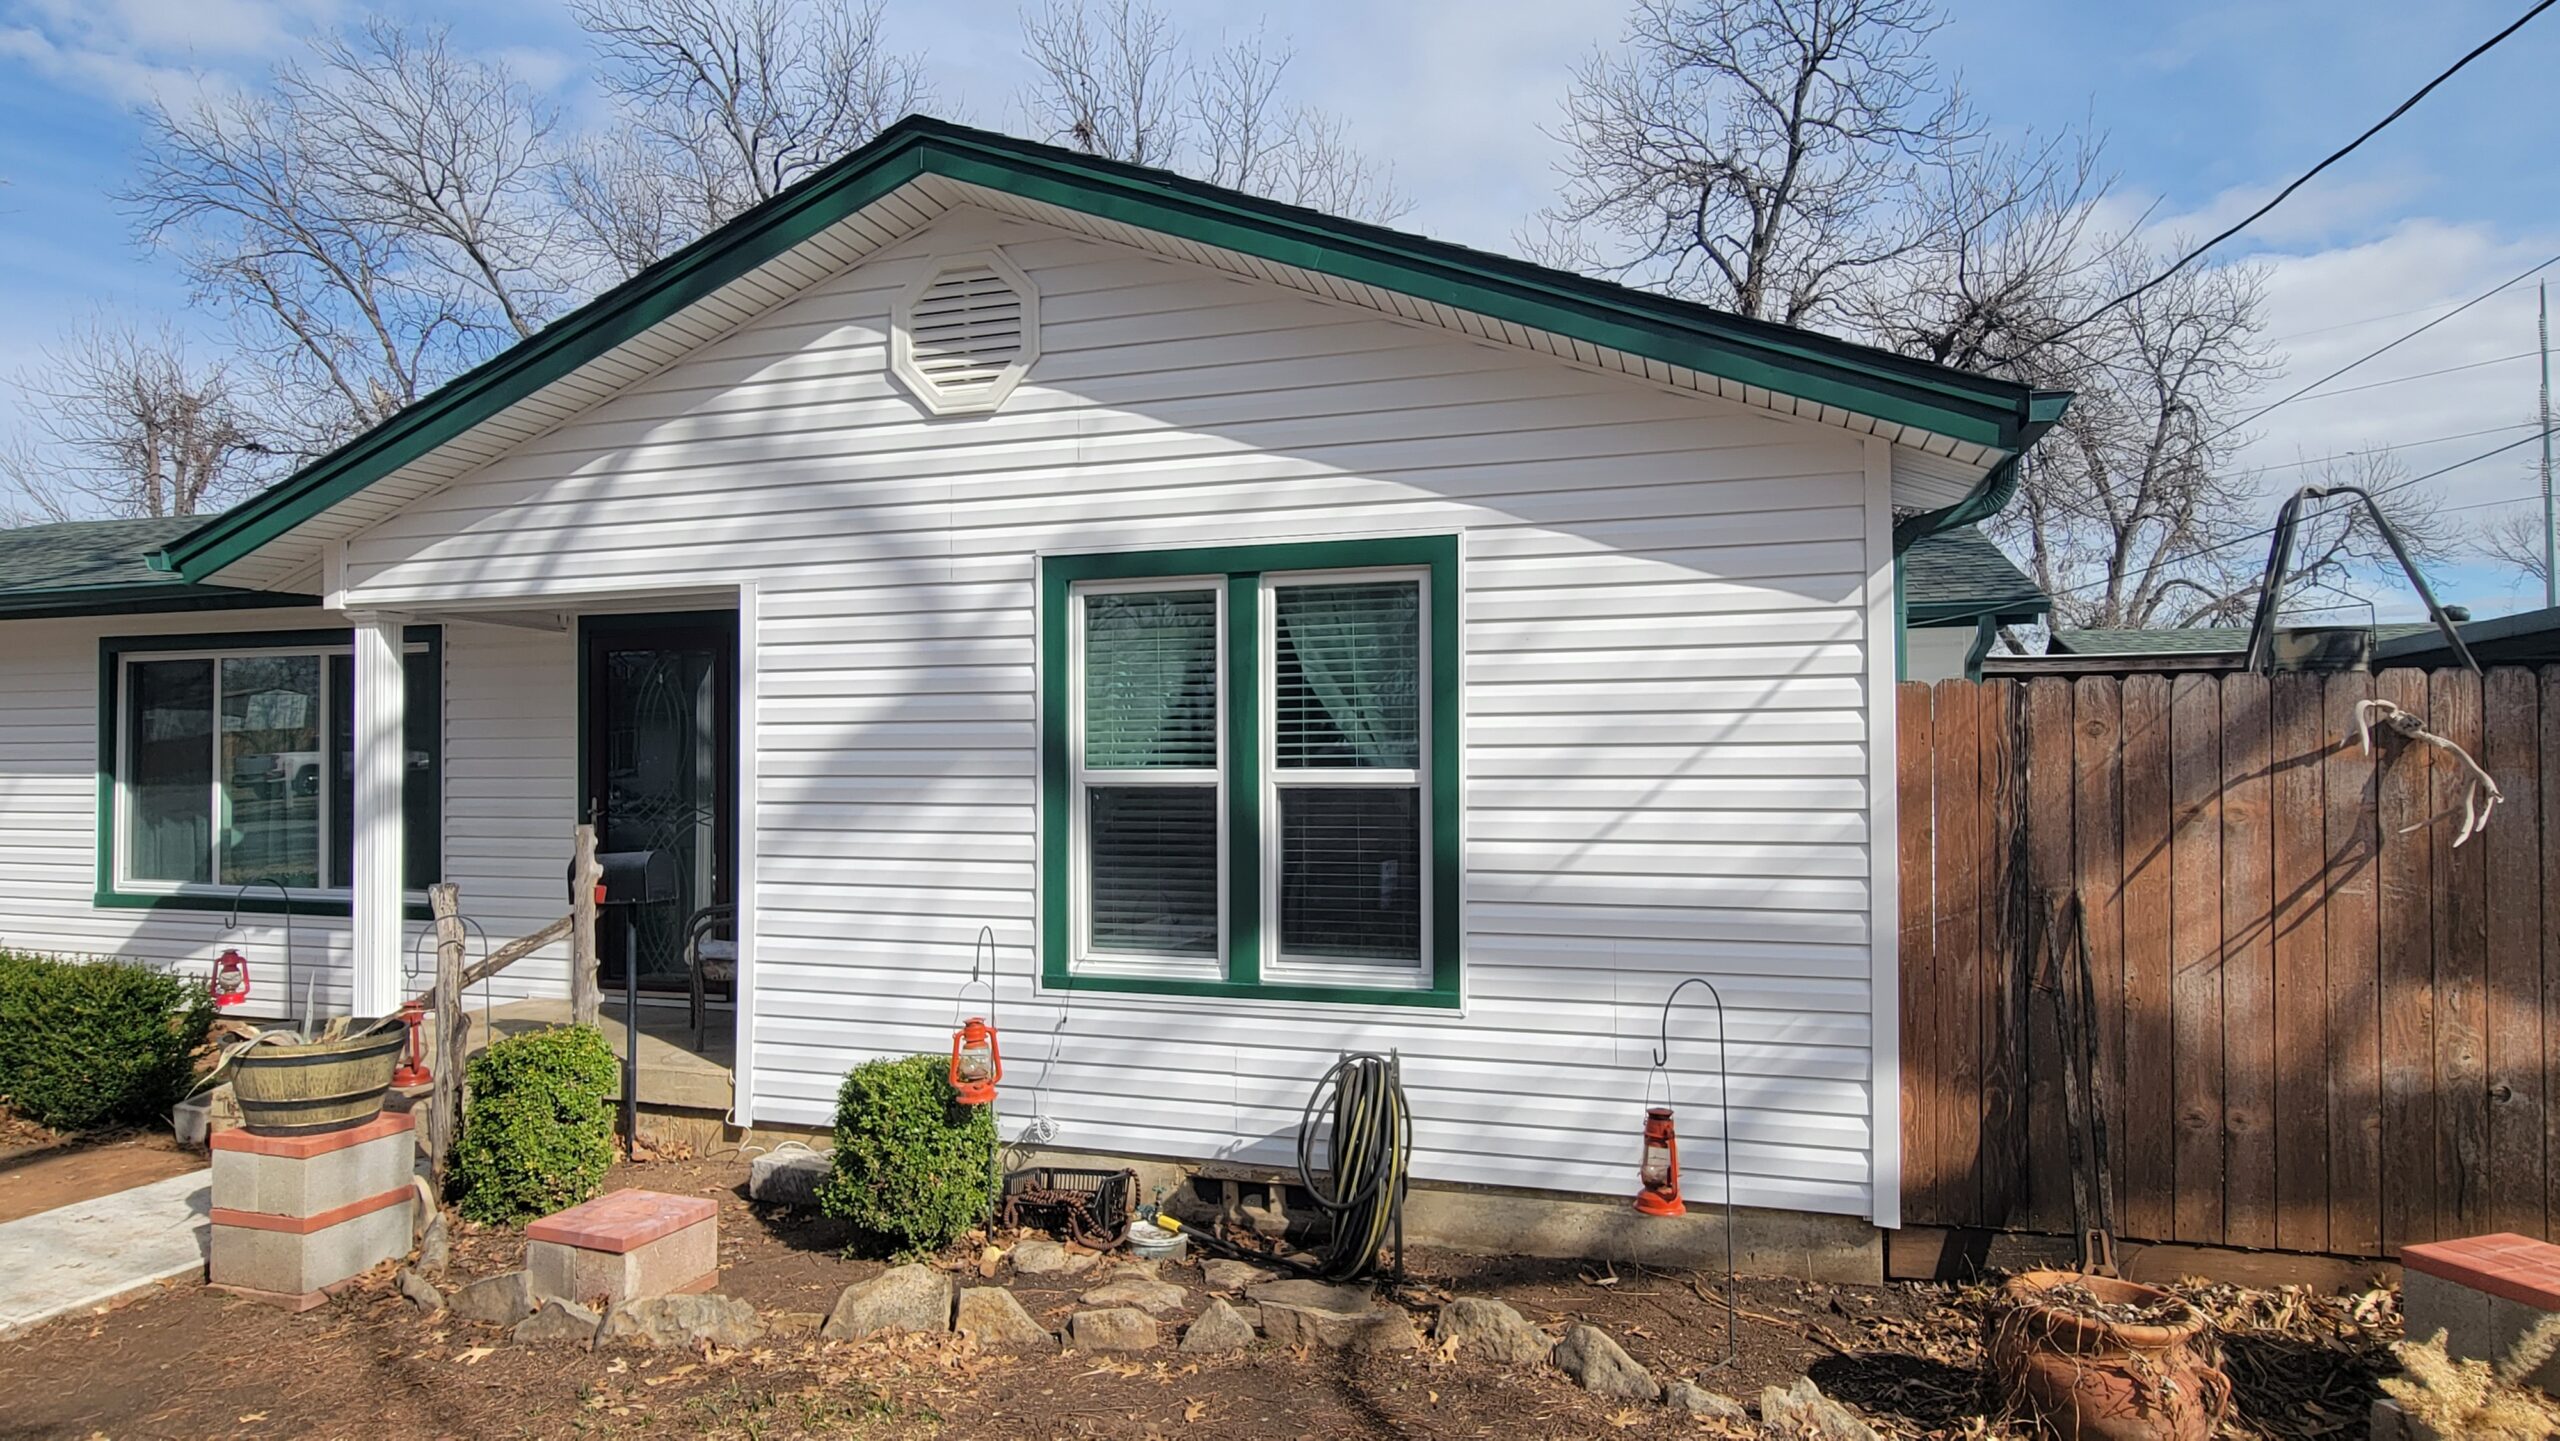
(1661, 1169)
(230, 982)
(976, 1062)
(412, 1070)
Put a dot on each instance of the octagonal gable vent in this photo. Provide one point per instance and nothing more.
(963, 336)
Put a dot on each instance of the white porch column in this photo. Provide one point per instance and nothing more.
(381, 766)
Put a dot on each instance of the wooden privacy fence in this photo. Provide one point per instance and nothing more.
(2319, 1026)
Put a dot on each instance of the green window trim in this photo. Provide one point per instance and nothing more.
(316, 901)
(1243, 567)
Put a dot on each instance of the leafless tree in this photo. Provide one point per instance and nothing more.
(121, 422)
(728, 102)
(1767, 156)
(1118, 79)
(2514, 537)
(375, 220)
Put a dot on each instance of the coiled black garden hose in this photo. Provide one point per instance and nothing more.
(1371, 1160)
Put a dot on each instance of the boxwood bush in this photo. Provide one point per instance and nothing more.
(88, 1043)
(914, 1168)
(537, 1131)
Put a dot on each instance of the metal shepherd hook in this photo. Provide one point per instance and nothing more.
(1724, 1149)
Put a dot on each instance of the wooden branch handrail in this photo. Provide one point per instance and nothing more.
(514, 951)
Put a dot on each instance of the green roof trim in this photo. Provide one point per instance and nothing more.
(1960, 576)
(1994, 413)
(102, 567)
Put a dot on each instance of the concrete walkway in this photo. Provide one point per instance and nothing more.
(91, 1252)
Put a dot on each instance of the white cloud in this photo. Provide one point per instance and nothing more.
(135, 51)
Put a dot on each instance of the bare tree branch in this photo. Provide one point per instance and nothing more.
(122, 423)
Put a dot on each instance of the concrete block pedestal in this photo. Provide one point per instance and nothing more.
(625, 1246)
(2483, 1292)
(296, 1216)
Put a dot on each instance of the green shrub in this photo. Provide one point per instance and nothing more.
(85, 1043)
(913, 1167)
(537, 1132)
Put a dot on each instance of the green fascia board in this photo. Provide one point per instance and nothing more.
(1998, 486)
(2008, 610)
(155, 598)
(1994, 413)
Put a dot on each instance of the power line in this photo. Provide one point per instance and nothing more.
(2377, 493)
(2389, 345)
(2394, 447)
(2425, 375)
(2403, 108)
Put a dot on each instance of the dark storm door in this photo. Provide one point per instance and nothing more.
(659, 694)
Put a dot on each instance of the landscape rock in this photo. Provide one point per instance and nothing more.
(422, 1293)
(991, 1316)
(1220, 1331)
(1048, 1258)
(1233, 1275)
(559, 1323)
(1118, 1329)
(1489, 1331)
(902, 1299)
(788, 1178)
(1144, 1292)
(1589, 1356)
(1691, 1399)
(435, 1245)
(495, 1300)
(1336, 1318)
(1802, 1410)
(683, 1321)
(783, 1324)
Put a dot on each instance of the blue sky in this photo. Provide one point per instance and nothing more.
(2207, 108)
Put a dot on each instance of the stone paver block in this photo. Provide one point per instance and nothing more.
(625, 1246)
(293, 1261)
(2484, 1293)
(309, 1175)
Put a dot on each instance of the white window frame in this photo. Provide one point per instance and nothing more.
(126, 883)
(1080, 778)
(1277, 964)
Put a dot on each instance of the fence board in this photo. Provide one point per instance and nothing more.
(2004, 1143)
(2297, 820)
(2404, 923)
(2195, 946)
(2510, 728)
(2049, 839)
(2352, 881)
(2097, 804)
(2547, 756)
(1959, 842)
(2461, 961)
(2149, 1103)
(2248, 967)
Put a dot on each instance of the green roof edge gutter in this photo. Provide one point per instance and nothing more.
(139, 598)
(1996, 414)
(1998, 485)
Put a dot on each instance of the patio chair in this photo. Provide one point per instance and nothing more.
(710, 957)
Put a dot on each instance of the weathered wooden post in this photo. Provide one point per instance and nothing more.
(583, 994)
(444, 1115)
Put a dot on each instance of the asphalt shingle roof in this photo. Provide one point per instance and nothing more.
(89, 566)
(2189, 640)
(1960, 574)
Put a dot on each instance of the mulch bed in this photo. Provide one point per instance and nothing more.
(192, 1362)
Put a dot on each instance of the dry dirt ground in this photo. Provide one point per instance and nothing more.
(192, 1362)
(53, 1171)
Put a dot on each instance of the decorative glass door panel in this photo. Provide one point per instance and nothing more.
(661, 752)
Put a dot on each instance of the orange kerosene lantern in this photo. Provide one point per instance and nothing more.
(1660, 1195)
(229, 985)
(977, 1063)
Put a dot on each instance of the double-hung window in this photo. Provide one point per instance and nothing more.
(1250, 763)
(229, 761)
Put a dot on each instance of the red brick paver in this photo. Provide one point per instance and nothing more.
(624, 1221)
(2518, 1268)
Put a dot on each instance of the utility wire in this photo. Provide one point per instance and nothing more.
(2403, 108)
(2387, 346)
(2395, 446)
(2378, 493)
(2426, 375)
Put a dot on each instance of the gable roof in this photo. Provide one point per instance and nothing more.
(1491, 295)
(2191, 640)
(91, 567)
(1959, 576)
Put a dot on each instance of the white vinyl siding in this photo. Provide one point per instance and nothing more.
(1665, 646)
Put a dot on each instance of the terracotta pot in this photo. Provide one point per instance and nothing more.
(2087, 1379)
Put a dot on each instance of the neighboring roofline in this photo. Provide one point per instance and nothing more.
(2474, 632)
(1997, 414)
(142, 598)
(2175, 662)
(2007, 610)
